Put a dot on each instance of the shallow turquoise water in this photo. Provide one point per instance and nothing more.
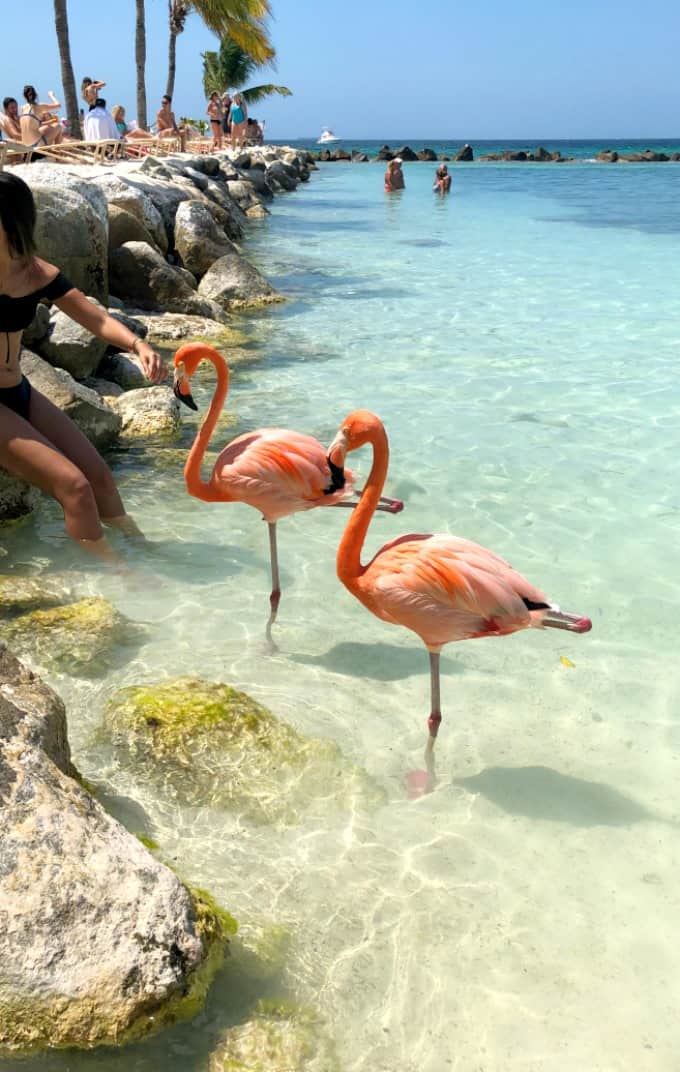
(520, 341)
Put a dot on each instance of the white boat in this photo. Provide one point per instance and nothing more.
(327, 136)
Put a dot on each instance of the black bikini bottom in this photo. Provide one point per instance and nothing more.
(17, 398)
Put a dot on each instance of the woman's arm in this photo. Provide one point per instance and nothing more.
(97, 321)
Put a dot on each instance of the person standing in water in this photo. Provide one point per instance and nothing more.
(442, 180)
(39, 443)
(394, 176)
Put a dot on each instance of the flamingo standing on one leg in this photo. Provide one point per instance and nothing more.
(442, 587)
(277, 471)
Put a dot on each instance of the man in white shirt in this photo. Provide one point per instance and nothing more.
(99, 124)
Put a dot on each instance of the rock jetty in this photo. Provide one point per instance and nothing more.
(156, 243)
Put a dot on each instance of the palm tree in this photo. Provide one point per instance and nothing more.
(67, 79)
(230, 68)
(140, 58)
(240, 19)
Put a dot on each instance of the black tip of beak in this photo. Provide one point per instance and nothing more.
(187, 398)
(338, 480)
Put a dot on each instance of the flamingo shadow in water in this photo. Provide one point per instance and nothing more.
(381, 662)
(546, 794)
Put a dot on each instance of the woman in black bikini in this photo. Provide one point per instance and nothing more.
(39, 443)
(216, 116)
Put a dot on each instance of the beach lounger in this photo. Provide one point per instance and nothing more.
(13, 152)
(83, 152)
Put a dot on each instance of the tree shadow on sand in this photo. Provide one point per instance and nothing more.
(543, 793)
(380, 662)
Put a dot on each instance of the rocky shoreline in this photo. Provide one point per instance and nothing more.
(101, 942)
(466, 155)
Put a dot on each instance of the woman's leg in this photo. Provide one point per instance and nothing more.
(61, 432)
(27, 454)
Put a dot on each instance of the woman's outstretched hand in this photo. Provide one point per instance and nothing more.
(152, 364)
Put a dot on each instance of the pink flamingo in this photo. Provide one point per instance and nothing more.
(277, 471)
(444, 588)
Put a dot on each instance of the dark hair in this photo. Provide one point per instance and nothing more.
(86, 82)
(100, 103)
(17, 214)
(8, 100)
(30, 94)
(167, 98)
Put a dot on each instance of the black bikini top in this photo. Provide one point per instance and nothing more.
(17, 313)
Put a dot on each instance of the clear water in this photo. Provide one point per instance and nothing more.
(520, 341)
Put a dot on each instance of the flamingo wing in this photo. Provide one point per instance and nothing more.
(446, 588)
(277, 471)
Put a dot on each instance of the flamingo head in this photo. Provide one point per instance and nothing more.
(187, 360)
(356, 430)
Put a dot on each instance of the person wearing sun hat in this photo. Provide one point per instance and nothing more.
(394, 177)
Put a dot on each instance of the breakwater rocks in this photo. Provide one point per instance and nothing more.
(466, 155)
(100, 943)
(156, 243)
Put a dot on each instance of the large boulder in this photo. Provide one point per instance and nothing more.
(607, 156)
(99, 942)
(241, 192)
(211, 744)
(198, 239)
(72, 228)
(406, 153)
(83, 638)
(426, 154)
(122, 371)
(166, 194)
(178, 328)
(124, 227)
(18, 593)
(147, 412)
(17, 499)
(68, 345)
(465, 154)
(277, 1038)
(94, 418)
(285, 174)
(235, 284)
(139, 274)
(128, 198)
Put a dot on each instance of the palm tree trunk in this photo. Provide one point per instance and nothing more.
(172, 53)
(140, 58)
(67, 78)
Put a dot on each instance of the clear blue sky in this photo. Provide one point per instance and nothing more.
(421, 69)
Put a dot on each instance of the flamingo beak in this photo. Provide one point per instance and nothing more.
(337, 451)
(181, 387)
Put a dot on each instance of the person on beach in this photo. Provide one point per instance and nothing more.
(442, 180)
(394, 176)
(9, 120)
(254, 132)
(100, 124)
(89, 91)
(226, 116)
(167, 124)
(39, 125)
(125, 131)
(238, 114)
(216, 114)
(39, 443)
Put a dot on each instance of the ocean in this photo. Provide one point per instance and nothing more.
(520, 340)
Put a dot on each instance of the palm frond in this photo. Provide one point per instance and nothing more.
(258, 93)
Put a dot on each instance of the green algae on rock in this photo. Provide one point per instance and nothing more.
(28, 593)
(77, 638)
(214, 745)
(279, 1038)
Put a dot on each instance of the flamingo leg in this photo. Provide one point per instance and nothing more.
(275, 596)
(435, 701)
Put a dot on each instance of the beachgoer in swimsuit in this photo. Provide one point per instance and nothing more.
(89, 91)
(442, 180)
(39, 443)
(216, 114)
(394, 176)
(38, 124)
(226, 120)
(238, 113)
(118, 116)
(9, 120)
(167, 125)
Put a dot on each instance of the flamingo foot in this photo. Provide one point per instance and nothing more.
(421, 782)
(274, 600)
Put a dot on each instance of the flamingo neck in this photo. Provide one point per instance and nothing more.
(197, 487)
(348, 559)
